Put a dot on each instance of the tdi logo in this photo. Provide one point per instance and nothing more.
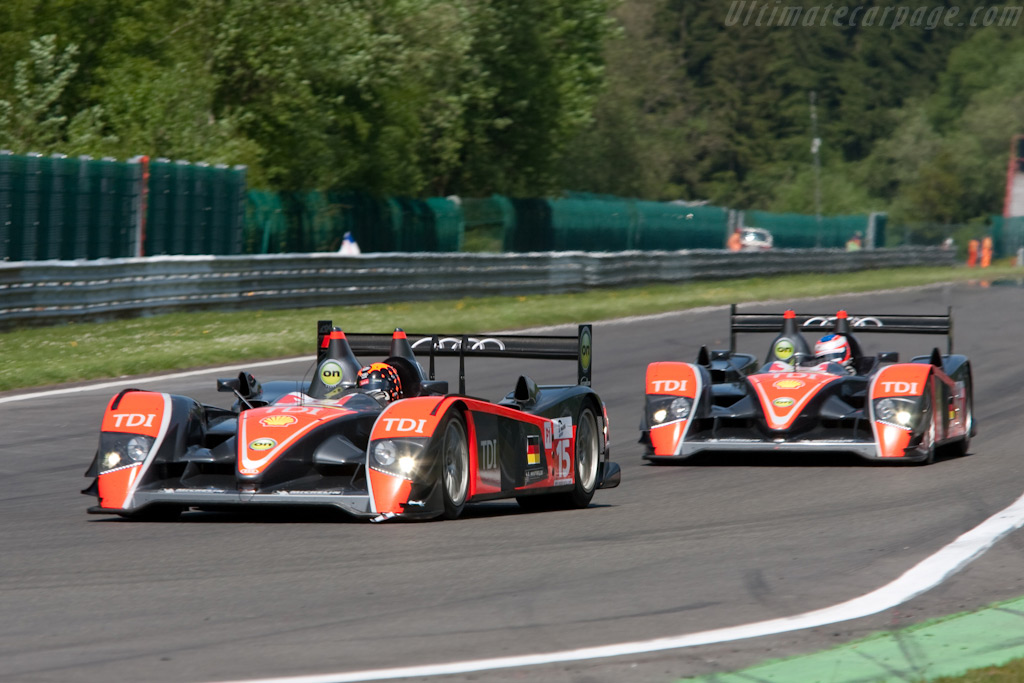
(403, 424)
(663, 386)
(900, 387)
(133, 420)
(489, 454)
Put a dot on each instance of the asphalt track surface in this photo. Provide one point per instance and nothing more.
(720, 542)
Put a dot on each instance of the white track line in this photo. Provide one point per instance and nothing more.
(922, 577)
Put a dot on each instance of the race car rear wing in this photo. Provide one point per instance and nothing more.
(890, 324)
(576, 347)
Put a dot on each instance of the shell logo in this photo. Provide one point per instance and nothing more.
(784, 402)
(279, 421)
(262, 444)
(788, 384)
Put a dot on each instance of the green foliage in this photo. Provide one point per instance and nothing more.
(399, 97)
(655, 99)
(35, 120)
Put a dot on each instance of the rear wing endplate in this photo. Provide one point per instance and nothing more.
(576, 347)
(890, 324)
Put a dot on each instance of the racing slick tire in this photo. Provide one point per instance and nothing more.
(961, 446)
(454, 455)
(587, 451)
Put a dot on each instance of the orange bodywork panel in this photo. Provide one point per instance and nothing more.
(784, 395)
(390, 493)
(904, 380)
(671, 379)
(267, 432)
(897, 381)
(136, 412)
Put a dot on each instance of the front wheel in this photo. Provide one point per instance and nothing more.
(454, 453)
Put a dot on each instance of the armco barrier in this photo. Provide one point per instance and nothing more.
(45, 292)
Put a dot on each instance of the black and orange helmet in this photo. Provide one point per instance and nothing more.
(380, 377)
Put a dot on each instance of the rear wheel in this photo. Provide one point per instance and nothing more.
(588, 457)
(454, 454)
(961, 446)
(587, 449)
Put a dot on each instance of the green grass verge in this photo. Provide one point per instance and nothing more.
(1008, 673)
(82, 351)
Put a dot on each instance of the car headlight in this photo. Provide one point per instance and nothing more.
(680, 408)
(118, 450)
(385, 453)
(400, 457)
(677, 408)
(901, 412)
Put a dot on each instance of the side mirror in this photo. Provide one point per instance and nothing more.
(801, 358)
(244, 387)
(889, 357)
(227, 385)
(434, 387)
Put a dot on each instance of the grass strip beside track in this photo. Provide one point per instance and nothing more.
(73, 352)
(957, 649)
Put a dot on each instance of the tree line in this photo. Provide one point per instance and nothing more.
(656, 99)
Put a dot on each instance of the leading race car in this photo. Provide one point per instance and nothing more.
(381, 441)
(837, 400)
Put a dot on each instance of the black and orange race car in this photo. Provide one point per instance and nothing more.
(415, 451)
(838, 400)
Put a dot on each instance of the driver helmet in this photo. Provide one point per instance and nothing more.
(833, 348)
(381, 379)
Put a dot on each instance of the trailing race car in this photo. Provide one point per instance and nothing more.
(383, 441)
(839, 400)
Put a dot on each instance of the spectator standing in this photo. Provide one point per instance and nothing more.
(735, 241)
(349, 246)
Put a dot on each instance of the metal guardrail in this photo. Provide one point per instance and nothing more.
(34, 292)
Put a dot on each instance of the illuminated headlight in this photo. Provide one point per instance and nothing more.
(118, 450)
(677, 408)
(400, 457)
(898, 411)
(110, 460)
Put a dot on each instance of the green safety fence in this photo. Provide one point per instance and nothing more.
(678, 226)
(301, 222)
(1007, 235)
(82, 208)
(601, 223)
(68, 208)
(800, 231)
(195, 208)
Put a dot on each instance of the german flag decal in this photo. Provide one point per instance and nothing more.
(532, 450)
